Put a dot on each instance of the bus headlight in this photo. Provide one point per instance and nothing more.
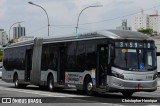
(118, 75)
(155, 76)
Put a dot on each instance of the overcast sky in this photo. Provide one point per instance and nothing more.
(63, 15)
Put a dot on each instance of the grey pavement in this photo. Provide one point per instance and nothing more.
(71, 97)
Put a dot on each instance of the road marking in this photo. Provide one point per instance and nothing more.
(49, 94)
(42, 93)
(54, 94)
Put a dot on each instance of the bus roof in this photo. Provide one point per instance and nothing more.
(111, 34)
(124, 34)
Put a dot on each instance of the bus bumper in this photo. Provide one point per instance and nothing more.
(119, 85)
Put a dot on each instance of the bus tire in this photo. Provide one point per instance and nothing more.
(127, 94)
(51, 83)
(16, 81)
(89, 86)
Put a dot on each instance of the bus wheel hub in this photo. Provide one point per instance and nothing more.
(16, 82)
(89, 86)
(50, 85)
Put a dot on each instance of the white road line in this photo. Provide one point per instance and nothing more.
(49, 94)
(42, 93)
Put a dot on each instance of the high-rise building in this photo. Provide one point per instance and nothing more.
(18, 31)
(154, 22)
(144, 21)
(3, 37)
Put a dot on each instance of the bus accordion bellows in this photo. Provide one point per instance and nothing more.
(106, 61)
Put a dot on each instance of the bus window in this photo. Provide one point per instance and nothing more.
(151, 63)
(90, 56)
(71, 57)
(149, 58)
(80, 56)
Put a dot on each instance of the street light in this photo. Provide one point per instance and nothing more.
(11, 27)
(44, 11)
(81, 13)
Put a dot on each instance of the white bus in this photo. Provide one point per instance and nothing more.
(107, 61)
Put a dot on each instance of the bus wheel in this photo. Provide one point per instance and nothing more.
(89, 87)
(127, 94)
(16, 81)
(51, 83)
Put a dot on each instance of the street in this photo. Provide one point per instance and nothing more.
(73, 97)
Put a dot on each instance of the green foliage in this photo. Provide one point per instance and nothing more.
(146, 31)
(1, 58)
(1, 52)
(1, 55)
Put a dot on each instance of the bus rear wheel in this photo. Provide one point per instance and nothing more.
(127, 94)
(51, 83)
(16, 81)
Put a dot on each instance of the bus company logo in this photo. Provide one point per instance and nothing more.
(6, 100)
(141, 66)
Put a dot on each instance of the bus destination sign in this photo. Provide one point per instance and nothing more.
(134, 44)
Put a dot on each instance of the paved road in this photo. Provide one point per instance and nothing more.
(72, 97)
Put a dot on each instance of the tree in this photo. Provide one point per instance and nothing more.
(146, 31)
(1, 55)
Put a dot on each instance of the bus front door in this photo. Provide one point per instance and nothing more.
(102, 66)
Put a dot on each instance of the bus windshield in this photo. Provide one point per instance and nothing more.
(135, 59)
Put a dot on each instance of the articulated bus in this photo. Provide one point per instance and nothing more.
(106, 61)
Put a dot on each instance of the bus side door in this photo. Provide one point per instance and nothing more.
(102, 62)
(28, 65)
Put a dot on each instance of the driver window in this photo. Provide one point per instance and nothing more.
(149, 58)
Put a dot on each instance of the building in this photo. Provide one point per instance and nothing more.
(23, 38)
(154, 22)
(18, 31)
(123, 26)
(144, 21)
(157, 42)
(3, 38)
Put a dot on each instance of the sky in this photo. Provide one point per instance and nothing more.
(63, 15)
